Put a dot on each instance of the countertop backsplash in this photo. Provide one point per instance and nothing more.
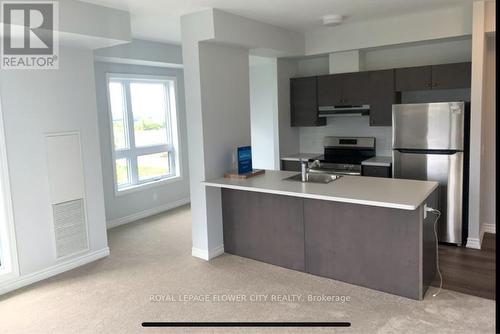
(311, 138)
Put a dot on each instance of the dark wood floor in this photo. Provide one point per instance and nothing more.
(468, 270)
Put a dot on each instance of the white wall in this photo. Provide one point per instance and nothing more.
(226, 104)
(35, 103)
(215, 47)
(127, 207)
(490, 17)
(479, 73)
(417, 54)
(312, 66)
(83, 18)
(413, 27)
(289, 137)
(264, 113)
(345, 62)
(264, 39)
(141, 52)
(82, 24)
(488, 165)
(224, 79)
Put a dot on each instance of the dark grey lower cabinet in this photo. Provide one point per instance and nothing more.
(369, 246)
(376, 171)
(264, 227)
(291, 166)
(385, 249)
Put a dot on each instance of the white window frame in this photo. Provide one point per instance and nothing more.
(132, 152)
(9, 268)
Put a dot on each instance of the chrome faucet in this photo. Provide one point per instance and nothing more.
(305, 167)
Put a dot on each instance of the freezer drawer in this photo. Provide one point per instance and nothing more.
(428, 126)
(447, 169)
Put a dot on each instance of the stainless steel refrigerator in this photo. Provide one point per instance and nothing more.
(428, 141)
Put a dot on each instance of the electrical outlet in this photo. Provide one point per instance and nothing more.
(425, 210)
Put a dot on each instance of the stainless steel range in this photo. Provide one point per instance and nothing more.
(343, 155)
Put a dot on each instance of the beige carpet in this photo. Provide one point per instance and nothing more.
(152, 257)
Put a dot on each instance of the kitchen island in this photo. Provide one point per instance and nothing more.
(366, 231)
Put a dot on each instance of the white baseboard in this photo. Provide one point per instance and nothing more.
(486, 228)
(489, 228)
(473, 243)
(207, 255)
(146, 213)
(28, 279)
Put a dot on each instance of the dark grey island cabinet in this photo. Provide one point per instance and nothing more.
(264, 227)
(387, 249)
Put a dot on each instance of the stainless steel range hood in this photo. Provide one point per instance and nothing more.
(344, 110)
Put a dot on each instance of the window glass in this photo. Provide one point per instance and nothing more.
(148, 107)
(116, 98)
(122, 172)
(153, 165)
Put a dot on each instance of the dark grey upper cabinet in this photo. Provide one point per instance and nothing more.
(381, 97)
(445, 76)
(379, 89)
(342, 89)
(355, 88)
(329, 90)
(450, 76)
(413, 78)
(304, 102)
(375, 88)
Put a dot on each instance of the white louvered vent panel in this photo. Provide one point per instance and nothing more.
(67, 193)
(70, 227)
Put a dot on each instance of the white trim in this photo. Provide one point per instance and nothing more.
(10, 269)
(489, 228)
(146, 213)
(207, 255)
(473, 243)
(485, 228)
(139, 62)
(144, 186)
(52, 270)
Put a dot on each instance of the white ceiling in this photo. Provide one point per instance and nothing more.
(158, 20)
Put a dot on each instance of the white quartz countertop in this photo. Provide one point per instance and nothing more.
(374, 191)
(299, 156)
(378, 161)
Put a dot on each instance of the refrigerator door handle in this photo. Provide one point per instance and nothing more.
(422, 151)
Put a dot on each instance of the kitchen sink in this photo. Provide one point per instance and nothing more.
(314, 178)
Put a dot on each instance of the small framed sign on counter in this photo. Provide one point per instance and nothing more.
(244, 155)
(242, 164)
